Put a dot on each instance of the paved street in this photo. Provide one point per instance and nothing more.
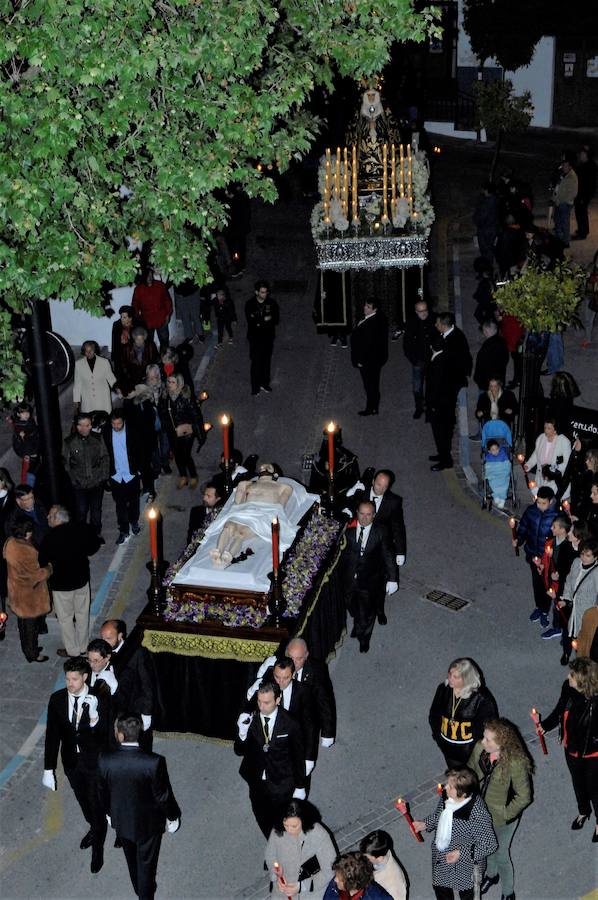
(384, 747)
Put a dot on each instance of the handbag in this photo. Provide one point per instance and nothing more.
(184, 430)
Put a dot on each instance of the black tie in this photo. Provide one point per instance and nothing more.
(75, 710)
(266, 729)
(360, 540)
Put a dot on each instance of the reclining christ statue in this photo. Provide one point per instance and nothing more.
(245, 522)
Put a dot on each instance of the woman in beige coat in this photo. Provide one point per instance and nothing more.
(28, 595)
(94, 379)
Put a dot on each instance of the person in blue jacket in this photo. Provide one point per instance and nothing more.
(533, 530)
(354, 877)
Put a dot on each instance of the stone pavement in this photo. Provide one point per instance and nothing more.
(383, 748)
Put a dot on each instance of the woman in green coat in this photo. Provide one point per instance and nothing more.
(504, 767)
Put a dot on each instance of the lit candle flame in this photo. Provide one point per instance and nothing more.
(512, 521)
(521, 457)
(331, 427)
(275, 521)
(152, 514)
(531, 485)
(224, 420)
(207, 426)
(204, 395)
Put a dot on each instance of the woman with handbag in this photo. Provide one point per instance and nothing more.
(504, 768)
(182, 419)
(303, 850)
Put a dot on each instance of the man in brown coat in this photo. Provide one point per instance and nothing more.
(28, 595)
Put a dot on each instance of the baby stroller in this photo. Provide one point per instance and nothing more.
(497, 465)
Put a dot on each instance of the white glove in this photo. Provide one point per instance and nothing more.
(49, 779)
(267, 664)
(299, 794)
(171, 827)
(347, 512)
(92, 704)
(110, 679)
(109, 820)
(358, 486)
(147, 722)
(327, 742)
(243, 723)
(391, 587)
(309, 766)
(253, 688)
(400, 559)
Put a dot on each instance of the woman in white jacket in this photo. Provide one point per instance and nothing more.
(550, 457)
(94, 378)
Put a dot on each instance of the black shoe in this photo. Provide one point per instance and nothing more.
(123, 537)
(85, 841)
(117, 843)
(487, 883)
(136, 529)
(364, 646)
(43, 629)
(507, 897)
(418, 413)
(166, 470)
(382, 620)
(595, 837)
(434, 458)
(367, 412)
(565, 659)
(440, 467)
(97, 860)
(578, 823)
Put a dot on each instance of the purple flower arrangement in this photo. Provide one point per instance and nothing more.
(299, 574)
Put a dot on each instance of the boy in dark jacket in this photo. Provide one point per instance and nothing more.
(534, 528)
(224, 310)
(25, 441)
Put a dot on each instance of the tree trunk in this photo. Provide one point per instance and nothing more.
(496, 156)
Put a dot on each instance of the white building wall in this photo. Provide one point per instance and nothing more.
(538, 79)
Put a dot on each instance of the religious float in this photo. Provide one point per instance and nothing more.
(372, 222)
(258, 573)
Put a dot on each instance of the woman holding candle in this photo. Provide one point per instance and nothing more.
(181, 417)
(581, 590)
(504, 768)
(303, 850)
(576, 714)
(464, 835)
(460, 707)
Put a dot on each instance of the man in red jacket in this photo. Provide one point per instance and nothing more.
(152, 303)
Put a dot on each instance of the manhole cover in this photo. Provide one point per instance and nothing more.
(447, 600)
(307, 461)
(289, 287)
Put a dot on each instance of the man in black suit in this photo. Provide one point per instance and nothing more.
(76, 724)
(389, 512)
(296, 699)
(125, 459)
(448, 371)
(369, 352)
(273, 757)
(417, 346)
(367, 568)
(135, 793)
(492, 358)
(130, 664)
(202, 516)
(314, 674)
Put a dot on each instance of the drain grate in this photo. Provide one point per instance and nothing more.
(447, 600)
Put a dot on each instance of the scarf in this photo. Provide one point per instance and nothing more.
(444, 829)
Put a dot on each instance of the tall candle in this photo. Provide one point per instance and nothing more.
(402, 808)
(337, 175)
(327, 193)
(393, 181)
(346, 182)
(153, 526)
(225, 422)
(354, 178)
(402, 170)
(513, 526)
(275, 543)
(384, 184)
(536, 718)
(331, 428)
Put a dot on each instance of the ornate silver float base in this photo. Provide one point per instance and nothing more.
(341, 254)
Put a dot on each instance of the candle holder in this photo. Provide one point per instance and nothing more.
(156, 592)
(277, 601)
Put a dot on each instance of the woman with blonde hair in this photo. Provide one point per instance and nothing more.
(576, 714)
(460, 707)
(182, 419)
(504, 768)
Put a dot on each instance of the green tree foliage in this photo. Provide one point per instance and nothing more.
(507, 30)
(501, 112)
(175, 99)
(541, 300)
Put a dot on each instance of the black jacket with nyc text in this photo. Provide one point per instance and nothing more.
(456, 733)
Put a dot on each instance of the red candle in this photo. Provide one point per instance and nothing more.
(513, 524)
(402, 808)
(548, 547)
(536, 717)
(439, 788)
(225, 422)
(153, 523)
(275, 547)
(331, 428)
(279, 874)
(24, 469)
